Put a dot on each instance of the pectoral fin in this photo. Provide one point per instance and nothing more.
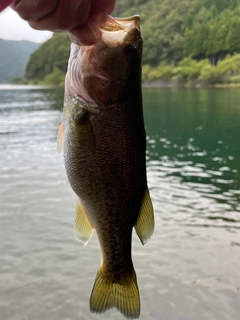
(60, 138)
(145, 224)
(83, 229)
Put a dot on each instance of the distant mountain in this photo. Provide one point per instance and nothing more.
(14, 56)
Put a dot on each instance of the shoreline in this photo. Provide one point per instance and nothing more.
(145, 84)
(14, 86)
(192, 84)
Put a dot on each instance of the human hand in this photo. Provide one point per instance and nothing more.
(4, 4)
(61, 15)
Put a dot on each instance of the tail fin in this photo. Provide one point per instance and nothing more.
(125, 297)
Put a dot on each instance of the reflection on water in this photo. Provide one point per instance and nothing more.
(194, 154)
(188, 270)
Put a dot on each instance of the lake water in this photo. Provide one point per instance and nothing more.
(190, 269)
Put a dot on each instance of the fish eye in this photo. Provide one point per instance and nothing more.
(129, 49)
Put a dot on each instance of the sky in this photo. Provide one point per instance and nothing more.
(12, 27)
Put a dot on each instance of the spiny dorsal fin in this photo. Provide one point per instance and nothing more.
(60, 138)
(123, 296)
(145, 224)
(83, 229)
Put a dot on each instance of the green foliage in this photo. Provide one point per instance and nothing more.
(221, 5)
(227, 71)
(56, 77)
(50, 58)
(189, 71)
(145, 71)
(211, 75)
(213, 35)
(163, 72)
(18, 80)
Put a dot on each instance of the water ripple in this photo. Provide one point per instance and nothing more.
(191, 264)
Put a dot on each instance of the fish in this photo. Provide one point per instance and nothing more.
(103, 140)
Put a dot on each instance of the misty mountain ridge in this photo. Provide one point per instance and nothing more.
(14, 56)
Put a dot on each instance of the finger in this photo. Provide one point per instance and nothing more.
(67, 16)
(34, 10)
(82, 36)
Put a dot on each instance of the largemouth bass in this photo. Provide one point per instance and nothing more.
(103, 141)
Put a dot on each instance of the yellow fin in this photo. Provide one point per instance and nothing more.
(83, 229)
(145, 224)
(60, 138)
(125, 297)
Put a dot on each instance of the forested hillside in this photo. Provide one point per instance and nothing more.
(49, 62)
(14, 56)
(183, 40)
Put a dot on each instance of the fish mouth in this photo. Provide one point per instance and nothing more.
(116, 31)
(117, 24)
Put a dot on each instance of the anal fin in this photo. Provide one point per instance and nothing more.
(60, 138)
(83, 228)
(145, 224)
